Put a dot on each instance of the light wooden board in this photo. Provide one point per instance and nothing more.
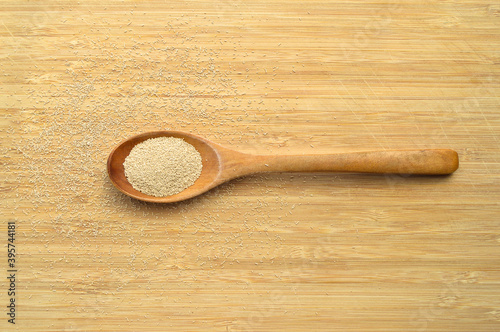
(280, 252)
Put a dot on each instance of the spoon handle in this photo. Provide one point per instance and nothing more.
(429, 161)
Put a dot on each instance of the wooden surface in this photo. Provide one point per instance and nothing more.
(275, 252)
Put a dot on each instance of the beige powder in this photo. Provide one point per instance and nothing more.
(162, 166)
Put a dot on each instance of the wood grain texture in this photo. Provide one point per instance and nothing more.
(273, 252)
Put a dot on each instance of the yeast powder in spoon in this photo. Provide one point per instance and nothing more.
(162, 166)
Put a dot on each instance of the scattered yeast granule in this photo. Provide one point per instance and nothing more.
(162, 166)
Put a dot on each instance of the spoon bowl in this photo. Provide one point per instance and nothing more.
(220, 164)
(206, 181)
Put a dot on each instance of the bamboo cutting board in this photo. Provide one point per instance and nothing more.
(276, 252)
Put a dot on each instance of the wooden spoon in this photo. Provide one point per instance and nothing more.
(221, 164)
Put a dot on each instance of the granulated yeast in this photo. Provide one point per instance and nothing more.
(162, 166)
